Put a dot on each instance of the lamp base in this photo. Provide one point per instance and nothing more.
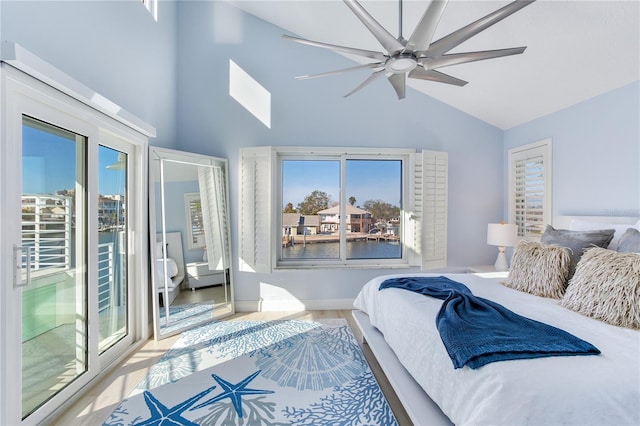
(501, 262)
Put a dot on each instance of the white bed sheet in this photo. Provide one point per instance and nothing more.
(574, 390)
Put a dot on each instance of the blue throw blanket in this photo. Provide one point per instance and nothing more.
(477, 331)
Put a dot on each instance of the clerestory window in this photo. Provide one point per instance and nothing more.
(152, 7)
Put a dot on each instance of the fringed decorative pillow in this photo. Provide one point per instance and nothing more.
(606, 286)
(539, 269)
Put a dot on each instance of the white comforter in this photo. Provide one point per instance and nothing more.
(577, 390)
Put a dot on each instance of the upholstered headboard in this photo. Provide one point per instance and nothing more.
(564, 222)
(585, 223)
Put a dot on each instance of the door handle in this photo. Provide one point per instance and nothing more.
(17, 267)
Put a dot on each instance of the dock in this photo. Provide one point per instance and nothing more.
(288, 241)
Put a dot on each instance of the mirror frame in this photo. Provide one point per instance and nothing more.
(155, 153)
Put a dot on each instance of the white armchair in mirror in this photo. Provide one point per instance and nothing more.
(188, 208)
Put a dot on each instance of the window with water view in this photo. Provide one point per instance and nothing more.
(340, 208)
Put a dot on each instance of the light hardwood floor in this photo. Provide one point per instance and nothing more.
(94, 407)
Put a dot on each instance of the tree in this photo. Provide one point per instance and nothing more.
(289, 208)
(352, 200)
(381, 210)
(314, 202)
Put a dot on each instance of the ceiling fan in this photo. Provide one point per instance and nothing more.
(417, 57)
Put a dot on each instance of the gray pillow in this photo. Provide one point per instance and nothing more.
(577, 241)
(630, 241)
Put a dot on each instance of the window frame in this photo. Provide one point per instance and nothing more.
(424, 214)
(152, 7)
(543, 149)
(189, 197)
(342, 155)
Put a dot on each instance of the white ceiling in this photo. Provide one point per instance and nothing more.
(575, 49)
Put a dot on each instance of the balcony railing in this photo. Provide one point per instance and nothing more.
(47, 228)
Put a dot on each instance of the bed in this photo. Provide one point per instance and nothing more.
(400, 328)
(175, 267)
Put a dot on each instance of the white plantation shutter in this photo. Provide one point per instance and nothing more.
(428, 221)
(213, 205)
(530, 188)
(255, 202)
(195, 227)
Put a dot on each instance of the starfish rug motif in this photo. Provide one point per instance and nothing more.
(275, 373)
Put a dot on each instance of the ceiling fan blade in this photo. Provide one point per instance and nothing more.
(462, 58)
(360, 52)
(376, 75)
(388, 41)
(433, 75)
(324, 74)
(423, 34)
(457, 37)
(399, 83)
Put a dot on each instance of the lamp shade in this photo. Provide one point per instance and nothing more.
(502, 234)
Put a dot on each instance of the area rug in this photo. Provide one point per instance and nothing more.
(182, 316)
(287, 372)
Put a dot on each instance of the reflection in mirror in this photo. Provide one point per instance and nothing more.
(191, 271)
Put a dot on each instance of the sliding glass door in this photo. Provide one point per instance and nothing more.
(74, 248)
(112, 246)
(53, 260)
(55, 272)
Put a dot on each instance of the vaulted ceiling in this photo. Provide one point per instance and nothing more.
(575, 50)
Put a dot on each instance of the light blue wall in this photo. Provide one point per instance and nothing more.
(174, 74)
(596, 153)
(314, 113)
(113, 47)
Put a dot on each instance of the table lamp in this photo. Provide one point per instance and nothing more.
(502, 235)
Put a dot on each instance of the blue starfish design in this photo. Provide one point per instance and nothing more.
(161, 415)
(234, 392)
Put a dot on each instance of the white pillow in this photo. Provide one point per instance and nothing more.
(172, 269)
(590, 225)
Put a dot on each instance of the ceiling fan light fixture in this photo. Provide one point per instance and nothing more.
(400, 64)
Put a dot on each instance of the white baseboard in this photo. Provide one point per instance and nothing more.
(292, 305)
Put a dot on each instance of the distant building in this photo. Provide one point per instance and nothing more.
(358, 220)
(111, 210)
(297, 224)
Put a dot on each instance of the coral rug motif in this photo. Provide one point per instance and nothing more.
(286, 372)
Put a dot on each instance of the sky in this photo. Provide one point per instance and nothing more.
(49, 164)
(366, 180)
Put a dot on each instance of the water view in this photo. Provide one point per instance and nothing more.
(355, 250)
(313, 213)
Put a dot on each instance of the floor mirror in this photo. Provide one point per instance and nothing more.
(191, 274)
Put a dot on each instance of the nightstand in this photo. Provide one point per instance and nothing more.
(199, 275)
